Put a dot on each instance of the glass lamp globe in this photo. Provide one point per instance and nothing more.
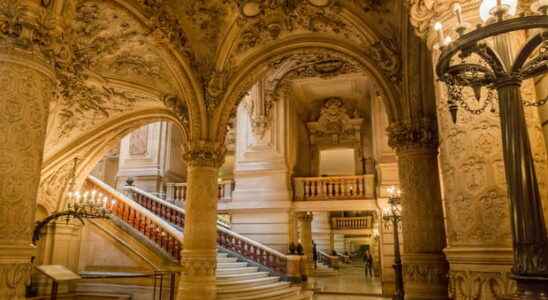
(488, 8)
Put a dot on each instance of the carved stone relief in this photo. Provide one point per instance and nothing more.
(335, 125)
(138, 141)
(479, 285)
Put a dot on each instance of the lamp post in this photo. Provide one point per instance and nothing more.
(392, 213)
(469, 62)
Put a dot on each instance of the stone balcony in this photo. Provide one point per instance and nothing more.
(357, 187)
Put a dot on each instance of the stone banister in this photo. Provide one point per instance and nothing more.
(226, 238)
(331, 261)
(334, 187)
(365, 222)
(162, 233)
(176, 191)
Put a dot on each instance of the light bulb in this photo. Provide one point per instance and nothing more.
(438, 26)
(447, 40)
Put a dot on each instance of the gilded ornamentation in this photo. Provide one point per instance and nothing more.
(335, 125)
(421, 13)
(279, 19)
(24, 100)
(195, 266)
(387, 54)
(13, 278)
(473, 285)
(205, 154)
(425, 273)
(402, 136)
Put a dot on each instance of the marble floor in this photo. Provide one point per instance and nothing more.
(348, 279)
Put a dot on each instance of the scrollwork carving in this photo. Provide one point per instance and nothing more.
(409, 135)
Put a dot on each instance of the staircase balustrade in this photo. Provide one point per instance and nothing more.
(331, 261)
(140, 218)
(176, 192)
(227, 239)
(365, 222)
(334, 187)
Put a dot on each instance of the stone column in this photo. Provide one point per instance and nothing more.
(199, 255)
(424, 265)
(27, 86)
(305, 237)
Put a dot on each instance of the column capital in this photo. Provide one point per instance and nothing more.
(304, 216)
(404, 136)
(27, 25)
(205, 154)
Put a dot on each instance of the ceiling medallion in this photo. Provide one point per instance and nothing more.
(250, 8)
(320, 3)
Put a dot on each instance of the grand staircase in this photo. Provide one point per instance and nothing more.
(246, 269)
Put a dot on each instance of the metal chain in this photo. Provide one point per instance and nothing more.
(540, 102)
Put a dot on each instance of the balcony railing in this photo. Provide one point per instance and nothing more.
(139, 218)
(352, 222)
(334, 188)
(176, 192)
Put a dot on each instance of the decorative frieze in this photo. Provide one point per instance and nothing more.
(469, 284)
(198, 266)
(413, 135)
(425, 273)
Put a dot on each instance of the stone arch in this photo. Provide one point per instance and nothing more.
(256, 66)
(90, 148)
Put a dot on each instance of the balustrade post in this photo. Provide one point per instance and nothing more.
(199, 255)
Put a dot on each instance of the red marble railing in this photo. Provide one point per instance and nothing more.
(139, 218)
(252, 250)
(226, 238)
(176, 192)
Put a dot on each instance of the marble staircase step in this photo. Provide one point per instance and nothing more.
(247, 282)
(254, 290)
(237, 270)
(243, 276)
(231, 265)
(226, 259)
(290, 293)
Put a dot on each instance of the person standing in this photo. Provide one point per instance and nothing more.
(315, 255)
(368, 264)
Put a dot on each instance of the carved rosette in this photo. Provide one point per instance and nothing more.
(205, 155)
(199, 266)
(404, 136)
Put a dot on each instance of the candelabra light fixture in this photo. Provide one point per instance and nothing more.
(79, 205)
(392, 213)
(481, 60)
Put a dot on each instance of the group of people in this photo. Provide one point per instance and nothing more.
(367, 260)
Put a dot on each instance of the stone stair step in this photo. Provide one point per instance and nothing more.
(244, 276)
(227, 259)
(231, 265)
(221, 254)
(237, 270)
(290, 293)
(254, 290)
(247, 282)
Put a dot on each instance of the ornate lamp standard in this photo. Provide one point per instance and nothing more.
(469, 62)
(392, 214)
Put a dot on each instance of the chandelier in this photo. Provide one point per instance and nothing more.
(79, 205)
(482, 61)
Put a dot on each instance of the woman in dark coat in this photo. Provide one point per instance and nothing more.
(315, 255)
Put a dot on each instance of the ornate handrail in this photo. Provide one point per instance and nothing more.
(146, 222)
(365, 222)
(334, 187)
(331, 261)
(176, 192)
(227, 239)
